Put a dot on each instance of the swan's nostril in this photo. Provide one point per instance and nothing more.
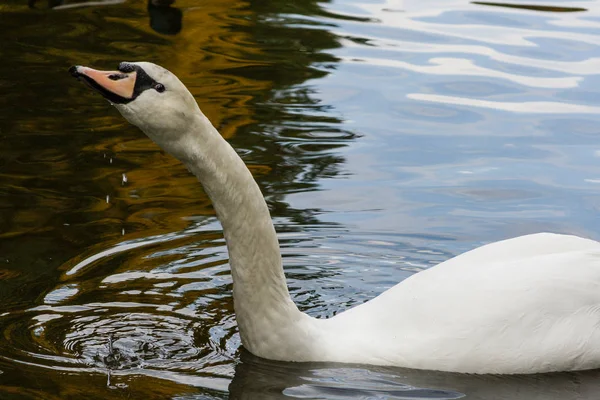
(116, 77)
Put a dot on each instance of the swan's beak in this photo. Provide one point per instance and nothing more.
(117, 87)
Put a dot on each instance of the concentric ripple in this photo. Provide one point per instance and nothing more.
(102, 337)
(96, 322)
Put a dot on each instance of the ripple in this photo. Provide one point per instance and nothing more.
(462, 67)
(109, 336)
(131, 322)
(61, 294)
(499, 35)
(536, 107)
(347, 383)
(588, 66)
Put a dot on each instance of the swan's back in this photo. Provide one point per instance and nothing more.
(523, 304)
(523, 247)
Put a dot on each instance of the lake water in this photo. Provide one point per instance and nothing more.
(386, 137)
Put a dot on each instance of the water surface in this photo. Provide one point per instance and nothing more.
(386, 136)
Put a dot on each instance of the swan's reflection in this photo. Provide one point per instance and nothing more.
(268, 380)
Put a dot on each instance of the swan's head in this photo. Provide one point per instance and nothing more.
(148, 96)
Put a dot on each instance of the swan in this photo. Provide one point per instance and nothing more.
(530, 304)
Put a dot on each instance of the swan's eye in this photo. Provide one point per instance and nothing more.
(159, 87)
(126, 67)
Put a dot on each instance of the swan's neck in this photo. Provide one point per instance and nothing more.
(262, 302)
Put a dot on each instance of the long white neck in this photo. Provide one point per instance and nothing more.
(266, 315)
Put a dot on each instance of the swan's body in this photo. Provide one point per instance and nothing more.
(525, 305)
(528, 304)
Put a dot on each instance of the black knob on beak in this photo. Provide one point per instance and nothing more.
(126, 67)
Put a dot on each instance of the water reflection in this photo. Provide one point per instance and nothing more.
(261, 379)
(66, 4)
(386, 136)
(535, 7)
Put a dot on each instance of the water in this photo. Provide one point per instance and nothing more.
(387, 137)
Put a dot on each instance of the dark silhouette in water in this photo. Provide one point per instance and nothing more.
(164, 18)
(51, 3)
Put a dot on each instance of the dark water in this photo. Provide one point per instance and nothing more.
(387, 137)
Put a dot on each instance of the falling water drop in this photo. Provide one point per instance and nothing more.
(107, 198)
(124, 181)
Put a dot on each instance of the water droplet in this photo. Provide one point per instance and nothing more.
(110, 161)
(124, 179)
(123, 232)
(107, 199)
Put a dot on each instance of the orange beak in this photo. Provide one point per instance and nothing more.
(115, 86)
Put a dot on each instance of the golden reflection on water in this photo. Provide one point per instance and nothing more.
(80, 182)
(206, 45)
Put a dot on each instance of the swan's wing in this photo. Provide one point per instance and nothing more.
(529, 303)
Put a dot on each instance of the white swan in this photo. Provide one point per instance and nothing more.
(525, 305)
